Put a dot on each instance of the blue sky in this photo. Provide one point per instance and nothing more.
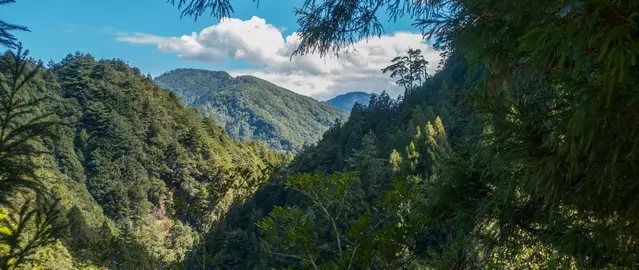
(102, 28)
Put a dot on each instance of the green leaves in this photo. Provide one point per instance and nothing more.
(411, 69)
(28, 224)
(129, 157)
(287, 233)
(25, 229)
(339, 226)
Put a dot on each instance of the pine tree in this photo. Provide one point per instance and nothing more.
(7, 39)
(366, 160)
(74, 73)
(29, 223)
(412, 155)
(554, 83)
(395, 161)
(411, 69)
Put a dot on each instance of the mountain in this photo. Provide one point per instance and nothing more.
(346, 101)
(382, 143)
(134, 169)
(250, 108)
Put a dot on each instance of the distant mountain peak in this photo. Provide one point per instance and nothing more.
(250, 108)
(346, 101)
(355, 93)
(214, 72)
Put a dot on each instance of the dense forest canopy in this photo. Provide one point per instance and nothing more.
(131, 167)
(520, 153)
(250, 108)
(538, 102)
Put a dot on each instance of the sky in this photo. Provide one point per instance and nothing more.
(258, 41)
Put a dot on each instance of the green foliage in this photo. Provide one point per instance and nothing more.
(411, 69)
(25, 230)
(196, 8)
(555, 94)
(180, 239)
(6, 38)
(133, 169)
(29, 216)
(53, 256)
(519, 153)
(21, 126)
(336, 229)
(253, 109)
(553, 88)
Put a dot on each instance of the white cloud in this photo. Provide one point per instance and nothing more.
(261, 44)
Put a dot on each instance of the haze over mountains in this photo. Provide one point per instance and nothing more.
(250, 108)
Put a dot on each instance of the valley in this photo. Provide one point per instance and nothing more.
(511, 144)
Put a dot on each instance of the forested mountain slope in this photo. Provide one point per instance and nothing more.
(521, 153)
(381, 143)
(452, 177)
(346, 101)
(138, 174)
(253, 109)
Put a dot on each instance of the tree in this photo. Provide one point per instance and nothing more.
(365, 160)
(410, 68)
(400, 67)
(180, 239)
(417, 66)
(328, 26)
(20, 125)
(435, 146)
(6, 38)
(337, 210)
(196, 8)
(395, 161)
(28, 224)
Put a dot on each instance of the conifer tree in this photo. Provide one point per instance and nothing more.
(31, 216)
(395, 161)
(411, 69)
(365, 160)
(7, 39)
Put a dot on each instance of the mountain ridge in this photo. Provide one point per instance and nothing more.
(346, 101)
(250, 108)
(127, 154)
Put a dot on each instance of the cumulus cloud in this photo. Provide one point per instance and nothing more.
(263, 45)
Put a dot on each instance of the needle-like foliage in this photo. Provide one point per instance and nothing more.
(7, 39)
(21, 126)
(28, 224)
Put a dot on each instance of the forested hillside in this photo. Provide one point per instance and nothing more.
(137, 174)
(520, 153)
(253, 109)
(353, 185)
(346, 101)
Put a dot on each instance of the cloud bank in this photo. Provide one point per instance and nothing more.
(265, 48)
